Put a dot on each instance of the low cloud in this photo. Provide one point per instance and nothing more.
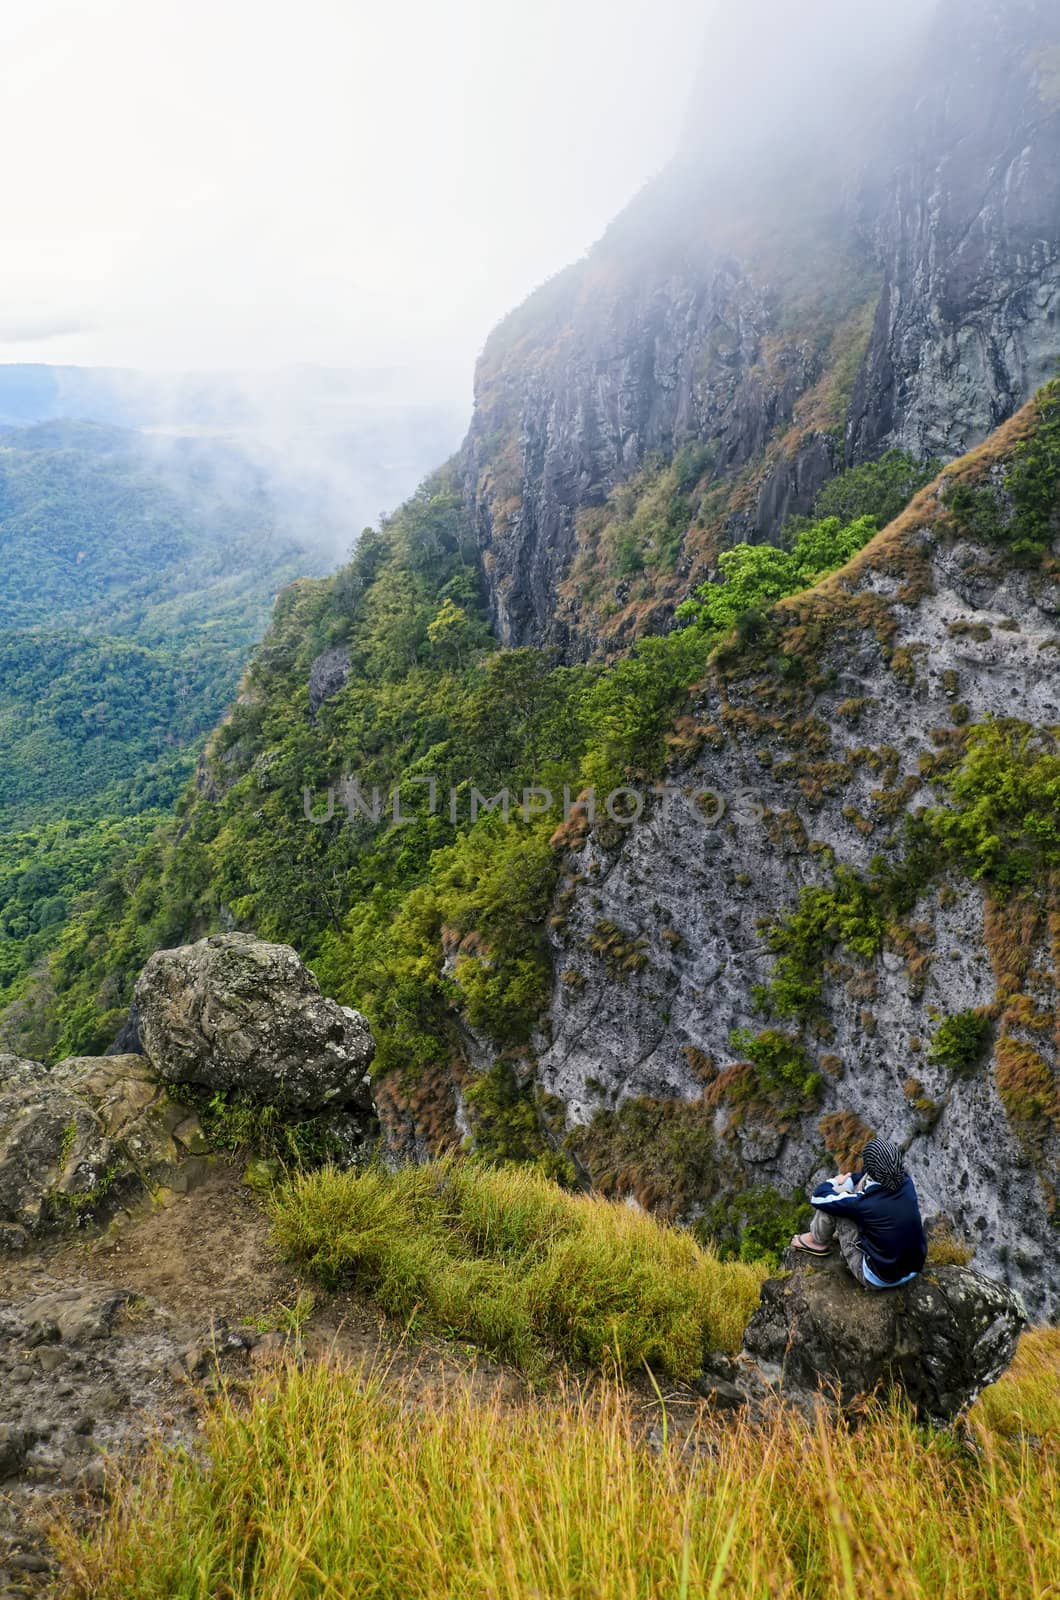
(34, 327)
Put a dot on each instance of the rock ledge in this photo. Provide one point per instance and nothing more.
(939, 1341)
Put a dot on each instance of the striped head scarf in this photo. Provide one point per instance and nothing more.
(886, 1163)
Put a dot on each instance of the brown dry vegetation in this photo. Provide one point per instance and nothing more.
(845, 1137)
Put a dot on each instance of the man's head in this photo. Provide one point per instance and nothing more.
(885, 1163)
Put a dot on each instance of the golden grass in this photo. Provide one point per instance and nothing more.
(1027, 1399)
(330, 1485)
(508, 1260)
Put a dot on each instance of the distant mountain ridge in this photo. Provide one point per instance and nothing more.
(129, 398)
(334, 448)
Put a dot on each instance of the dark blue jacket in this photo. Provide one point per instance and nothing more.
(890, 1231)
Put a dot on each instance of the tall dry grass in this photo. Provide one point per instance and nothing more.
(329, 1485)
(512, 1262)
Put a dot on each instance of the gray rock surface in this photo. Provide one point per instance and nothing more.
(235, 1013)
(699, 897)
(939, 1340)
(327, 674)
(969, 319)
(88, 1373)
(73, 1315)
(86, 1135)
(15, 1444)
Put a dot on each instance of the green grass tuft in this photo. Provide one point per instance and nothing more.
(509, 1260)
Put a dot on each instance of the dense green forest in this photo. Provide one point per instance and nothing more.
(429, 695)
(138, 577)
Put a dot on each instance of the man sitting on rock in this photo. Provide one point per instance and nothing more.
(875, 1215)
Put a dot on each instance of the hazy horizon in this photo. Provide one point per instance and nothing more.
(302, 237)
(206, 188)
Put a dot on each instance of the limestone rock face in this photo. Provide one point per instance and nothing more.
(968, 320)
(77, 1138)
(939, 1340)
(696, 899)
(941, 218)
(237, 1014)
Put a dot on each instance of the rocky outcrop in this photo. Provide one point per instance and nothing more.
(234, 1013)
(82, 1137)
(82, 1140)
(327, 674)
(938, 1341)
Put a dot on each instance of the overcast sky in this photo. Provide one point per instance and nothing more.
(242, 183)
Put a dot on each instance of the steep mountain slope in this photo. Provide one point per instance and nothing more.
(861, 930)
(763, 313)
(845, 915)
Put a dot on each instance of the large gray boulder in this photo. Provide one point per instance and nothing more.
(79, 1138)
(939, 1340)
(240, 1015)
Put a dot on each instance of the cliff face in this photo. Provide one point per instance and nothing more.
(625, 363)
(692, 1071)
(969, 318)
(734, 309)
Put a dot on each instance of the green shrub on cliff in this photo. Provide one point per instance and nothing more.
(1032, 486)
(959, 1042)
(755, 1224)
(878, 489)
(783, 1072)
(755, 576)
(1003, 821)
(471, 933)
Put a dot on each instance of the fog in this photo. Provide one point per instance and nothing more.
(234, 184)
(776, 79)
(323, 209)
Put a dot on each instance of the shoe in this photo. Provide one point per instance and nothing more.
(798, 1243)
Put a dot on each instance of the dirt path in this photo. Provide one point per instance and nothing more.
(107, 1342)
(207, 1254)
